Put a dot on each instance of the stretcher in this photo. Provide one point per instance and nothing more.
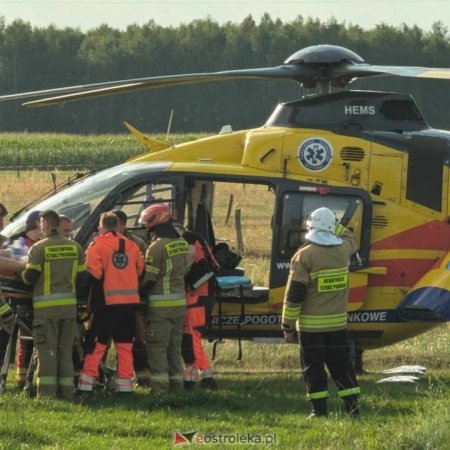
(237, 289)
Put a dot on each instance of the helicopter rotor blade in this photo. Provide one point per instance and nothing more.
(61, 90)
(322, 67)
(288, 72)
(369, 70)
(296, 72)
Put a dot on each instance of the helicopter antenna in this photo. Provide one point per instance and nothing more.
(169, 125)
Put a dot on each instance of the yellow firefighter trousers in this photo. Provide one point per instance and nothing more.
(163, 339)
(54, 340)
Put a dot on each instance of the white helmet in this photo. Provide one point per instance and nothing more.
(322, 228)
(322, 219)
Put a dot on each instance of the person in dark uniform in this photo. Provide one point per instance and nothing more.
(3, 214)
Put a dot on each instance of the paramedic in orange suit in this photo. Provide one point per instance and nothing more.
(114, 264)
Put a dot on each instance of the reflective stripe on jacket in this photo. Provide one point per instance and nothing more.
(58, 261)
(5, 309)
(324, 270)
(166, 264)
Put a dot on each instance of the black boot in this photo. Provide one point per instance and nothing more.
(318, 408)
(351, 406)
(189, 385)
(209, 383)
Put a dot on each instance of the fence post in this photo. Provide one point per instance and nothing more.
(53, 174)
(239, 240)
(230, 205)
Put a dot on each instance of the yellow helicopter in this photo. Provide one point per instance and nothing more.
(369, 156)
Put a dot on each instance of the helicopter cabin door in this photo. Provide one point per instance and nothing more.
(295, 203)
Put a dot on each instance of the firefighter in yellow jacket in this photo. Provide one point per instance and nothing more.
(316, 298)
(6, 320)
(55, 268)
(166, 264)
(9, 268)
(6, 314)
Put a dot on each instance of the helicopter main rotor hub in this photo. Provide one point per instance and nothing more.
(324, 55)
(321, 61)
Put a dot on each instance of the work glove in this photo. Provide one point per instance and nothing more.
(339, 229)
(289, 337)
(289, 333)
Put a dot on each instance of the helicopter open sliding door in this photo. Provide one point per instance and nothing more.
(295, 204)
(199, 198)
(236, 211)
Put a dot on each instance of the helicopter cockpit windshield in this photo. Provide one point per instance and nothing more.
(81, 199)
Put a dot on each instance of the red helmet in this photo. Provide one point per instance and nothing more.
(155, 214)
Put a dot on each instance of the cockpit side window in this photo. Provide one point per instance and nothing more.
(137, 197)
(133, 202)
(297, 207)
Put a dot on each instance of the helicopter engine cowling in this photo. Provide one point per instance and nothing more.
(431, 293)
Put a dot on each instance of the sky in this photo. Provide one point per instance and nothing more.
(88, 14)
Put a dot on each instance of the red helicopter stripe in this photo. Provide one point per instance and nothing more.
(401, 272)
(357, 294)
(429, 236)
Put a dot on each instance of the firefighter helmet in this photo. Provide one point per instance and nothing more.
(322, 219)
(155, 214)
(322, 228)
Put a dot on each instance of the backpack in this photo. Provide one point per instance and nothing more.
(205, 269)
(226, 258)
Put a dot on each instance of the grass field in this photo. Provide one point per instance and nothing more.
(46, 150)
(261, 396)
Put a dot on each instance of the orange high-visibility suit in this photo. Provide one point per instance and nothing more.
(200, 298)
(114, 264)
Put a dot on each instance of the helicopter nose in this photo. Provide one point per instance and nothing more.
(432, 292)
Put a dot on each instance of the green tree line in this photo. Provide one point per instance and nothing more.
(33, 58)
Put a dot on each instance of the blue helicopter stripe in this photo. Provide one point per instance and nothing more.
(375, 316)
(432, 298)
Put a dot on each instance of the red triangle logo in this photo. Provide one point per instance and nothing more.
(180, 439)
